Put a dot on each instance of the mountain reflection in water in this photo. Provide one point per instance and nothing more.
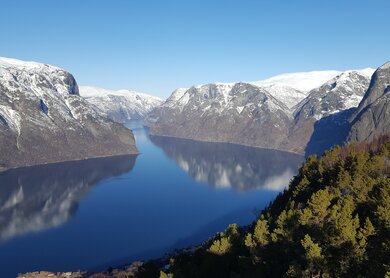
(228, 165)
(45, 196)
(97, 213)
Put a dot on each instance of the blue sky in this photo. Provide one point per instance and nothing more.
(157, 46)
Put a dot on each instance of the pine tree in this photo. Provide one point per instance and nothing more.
(220, 246)
(261, 232)
(313, 255)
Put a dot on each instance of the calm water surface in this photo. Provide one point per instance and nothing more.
(91, 214)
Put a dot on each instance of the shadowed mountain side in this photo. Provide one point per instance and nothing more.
(230, 165)
(40, 197)
(372, 117)
(329, 131)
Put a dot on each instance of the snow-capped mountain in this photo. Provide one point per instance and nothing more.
(122, 105)
(43, 118)
(342, 92)
(241, 113)
(322, 117)
(276, 113)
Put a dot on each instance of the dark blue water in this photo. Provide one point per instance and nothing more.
(89, 215)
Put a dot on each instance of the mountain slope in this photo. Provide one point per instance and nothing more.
(239, 113)
(372, 117)
(326, 109)
(43, 119)
(121, 105)
(285, 94)
(271, 113)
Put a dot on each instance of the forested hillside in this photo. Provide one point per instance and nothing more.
(333, 221)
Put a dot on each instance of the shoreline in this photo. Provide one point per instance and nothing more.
(226, 142)
(3, 169)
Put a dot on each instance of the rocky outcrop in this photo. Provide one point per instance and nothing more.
(126, 271)
(372, 117)
(120, 106)
(43, 119)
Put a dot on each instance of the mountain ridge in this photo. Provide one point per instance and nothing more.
(267, 114)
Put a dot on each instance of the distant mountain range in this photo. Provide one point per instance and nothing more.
(285, 112)
(43, 119)
(122, 105)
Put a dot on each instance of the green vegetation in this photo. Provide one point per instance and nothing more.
(333, 221)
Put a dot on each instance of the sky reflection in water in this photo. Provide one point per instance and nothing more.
(100, 212)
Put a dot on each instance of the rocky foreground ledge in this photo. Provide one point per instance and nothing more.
(151, 268)
(122, 272)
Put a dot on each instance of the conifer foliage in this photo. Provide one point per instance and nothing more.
(332, 221)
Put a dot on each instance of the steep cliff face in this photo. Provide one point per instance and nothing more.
(43, 119)
(372, 117)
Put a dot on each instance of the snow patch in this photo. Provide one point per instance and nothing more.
(385, 66)
(239, 109)
(28, 65)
